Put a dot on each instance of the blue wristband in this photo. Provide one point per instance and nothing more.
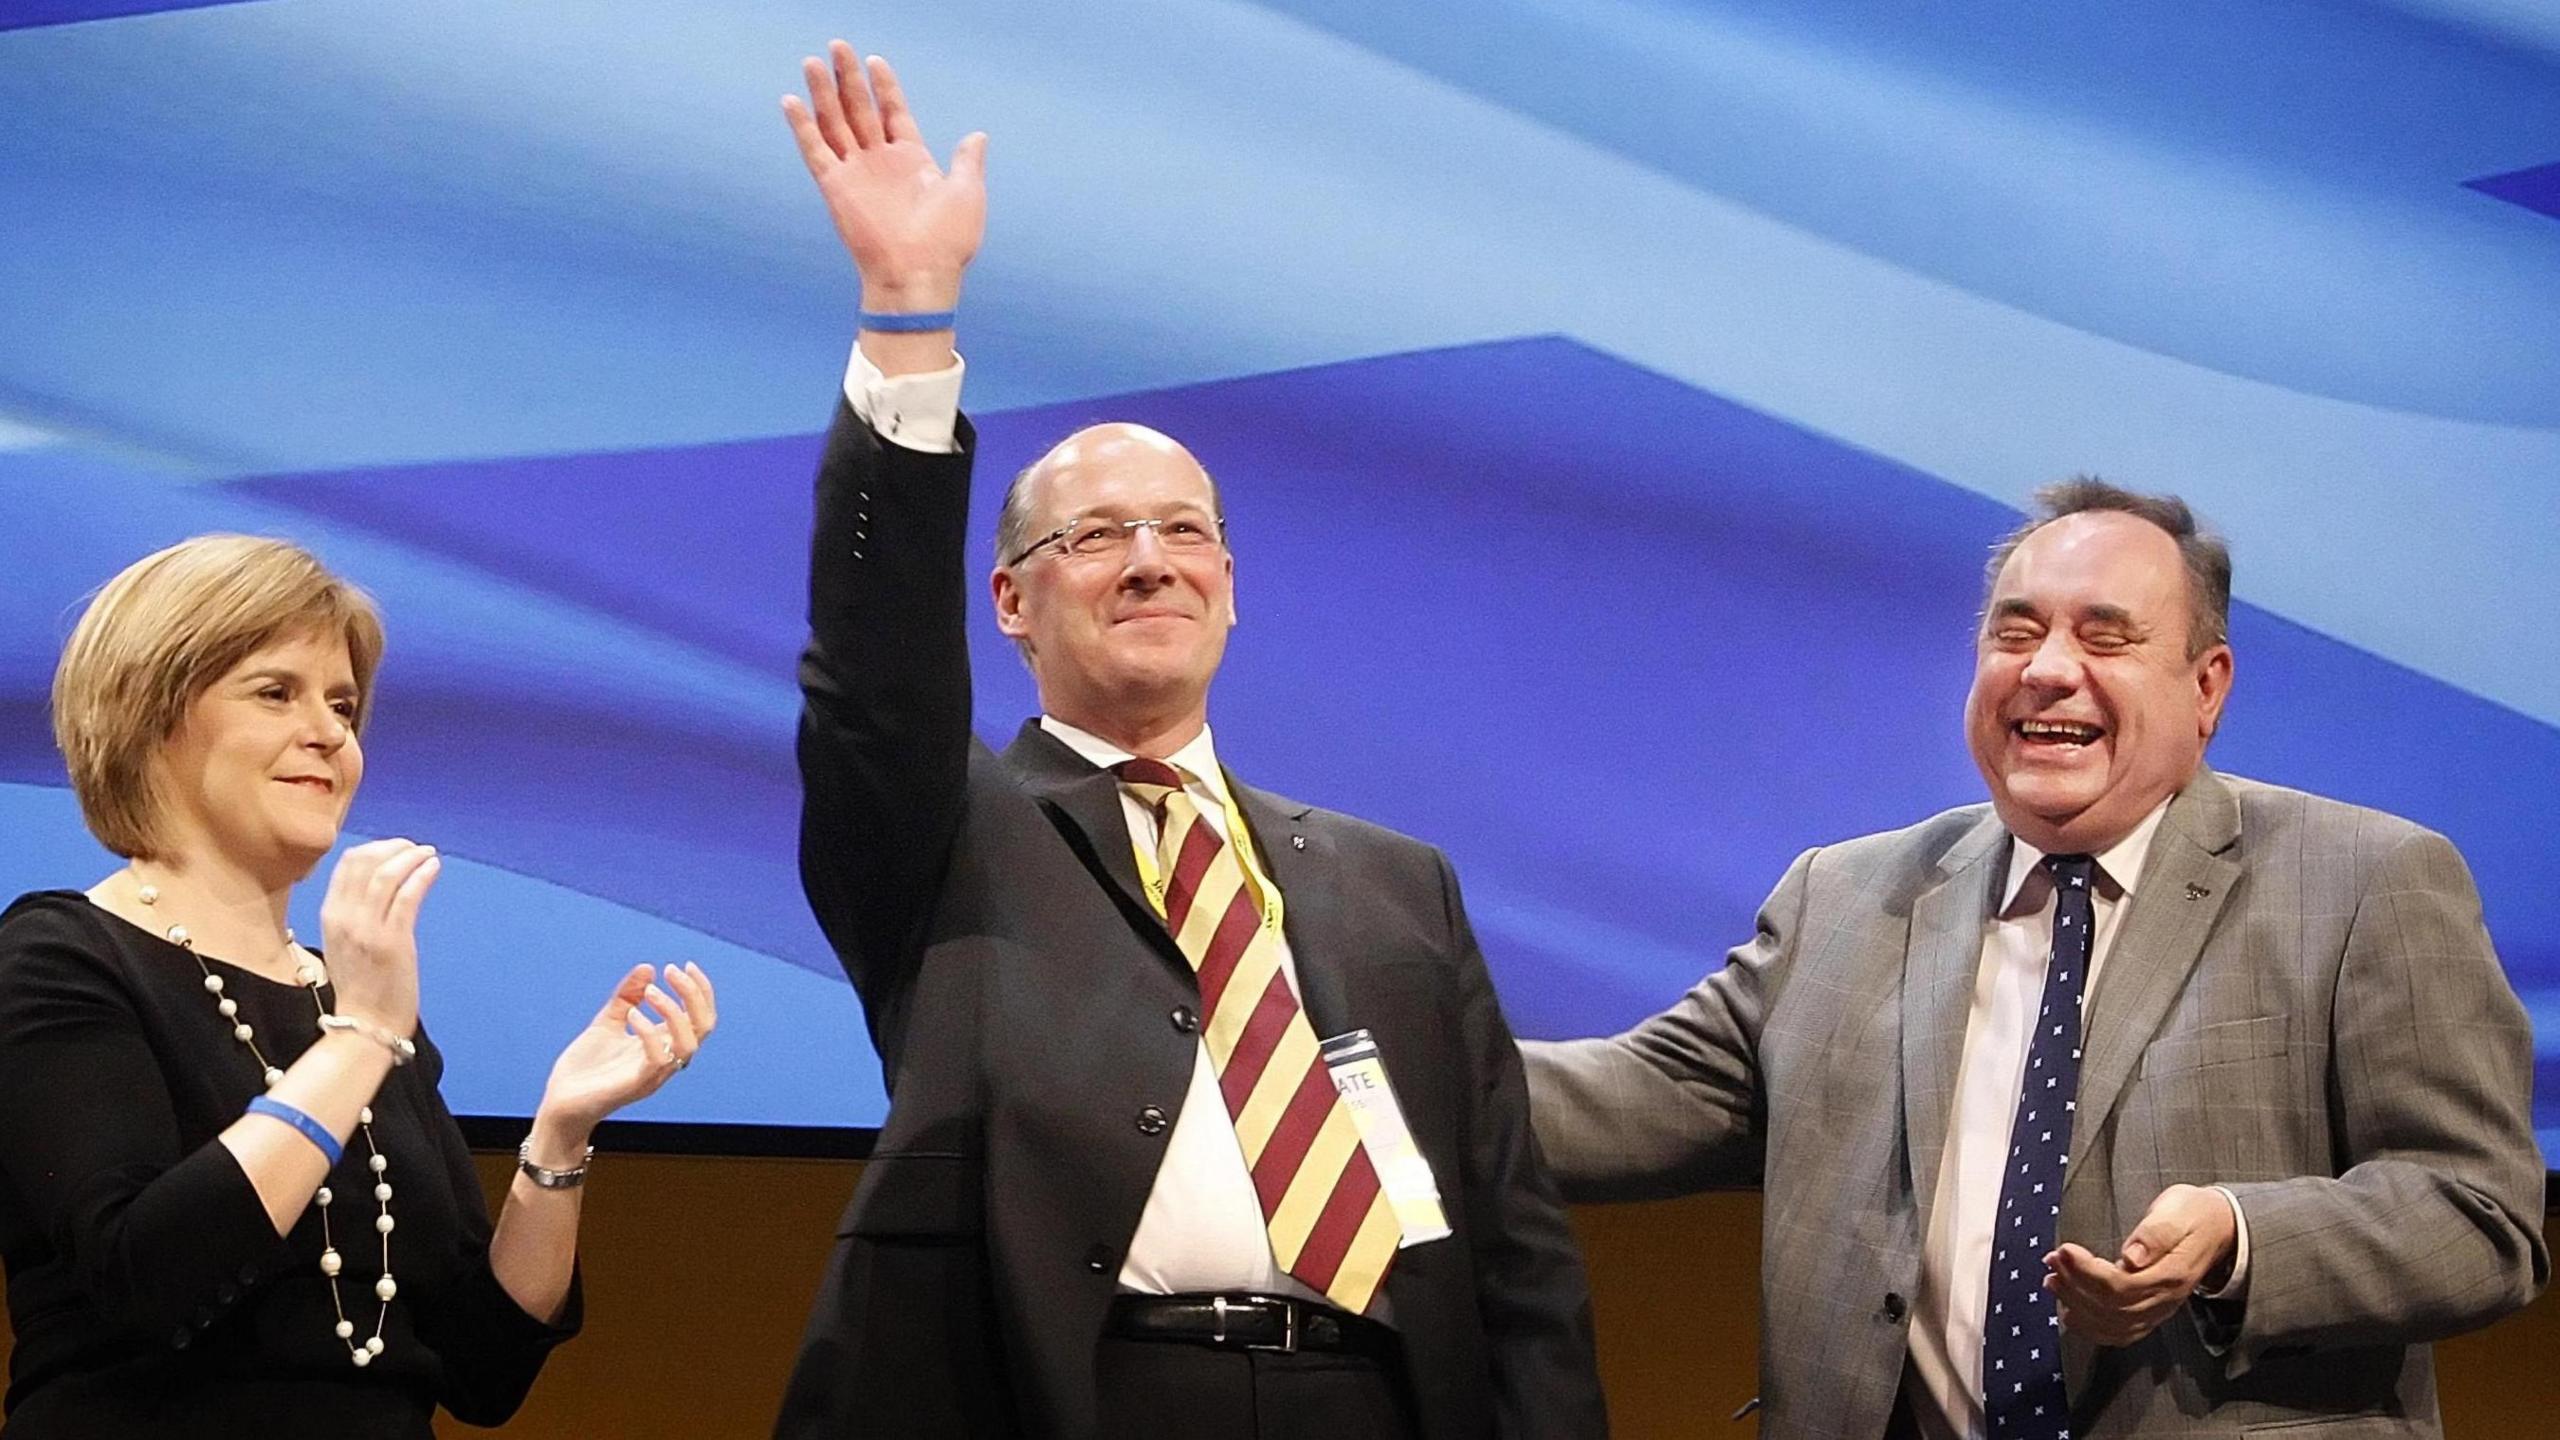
(913, 322)
(312, 1130)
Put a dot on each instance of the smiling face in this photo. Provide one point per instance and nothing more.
(261, 770)
(2087, 711)
(1122, 643)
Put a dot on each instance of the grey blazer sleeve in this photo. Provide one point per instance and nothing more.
(2433, 1226)
(1675, 1104)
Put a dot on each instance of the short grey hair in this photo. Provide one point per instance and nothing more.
(1013, 518)
(2207, 557)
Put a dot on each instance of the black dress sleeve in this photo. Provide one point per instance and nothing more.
(89, 1140)
(492, 1350)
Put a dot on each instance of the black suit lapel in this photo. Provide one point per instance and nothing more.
(1083, 801)
(1308, 873)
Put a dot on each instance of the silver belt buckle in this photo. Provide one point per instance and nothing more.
(1288, 1327)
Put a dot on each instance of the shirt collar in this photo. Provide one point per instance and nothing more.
(2121, 863)
(1198, 757)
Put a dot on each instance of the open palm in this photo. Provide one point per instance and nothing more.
(909, 225)
(626, 1053)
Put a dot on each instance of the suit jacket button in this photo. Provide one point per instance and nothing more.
(1098, 1259)
(1151, 1121)
(1185, 1019)
(1894, 1308)
(181, 1338)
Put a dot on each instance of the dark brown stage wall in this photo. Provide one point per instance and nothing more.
(699, 1270)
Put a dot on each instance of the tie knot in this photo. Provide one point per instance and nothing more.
(2072, 872)
(1151, 778)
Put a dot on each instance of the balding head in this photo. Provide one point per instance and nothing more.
(1110, 445)
(1124, 623)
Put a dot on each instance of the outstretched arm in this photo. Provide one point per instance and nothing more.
(911, 227)
(620, 1058)
(1675, 1104)
(884, 730)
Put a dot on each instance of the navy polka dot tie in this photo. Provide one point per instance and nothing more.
(2022, 1395)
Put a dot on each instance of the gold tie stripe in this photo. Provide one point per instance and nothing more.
(1329, 1222)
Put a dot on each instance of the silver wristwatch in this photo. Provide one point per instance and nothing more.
(552, 1179)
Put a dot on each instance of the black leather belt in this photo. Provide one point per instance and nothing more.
(1251, 1322)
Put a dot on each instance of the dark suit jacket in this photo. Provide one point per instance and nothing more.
(1032, 1018)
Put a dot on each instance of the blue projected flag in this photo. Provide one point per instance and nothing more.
(1637, 389)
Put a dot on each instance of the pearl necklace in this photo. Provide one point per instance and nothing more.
(361, 1352)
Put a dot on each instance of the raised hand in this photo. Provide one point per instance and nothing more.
(911, 228)
(626, 1053)
(369, 930)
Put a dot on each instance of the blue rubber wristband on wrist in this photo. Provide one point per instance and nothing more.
(911, 322)
(312, 1130)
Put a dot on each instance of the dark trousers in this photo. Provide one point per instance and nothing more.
(1903, 1424)
(1170, 1390)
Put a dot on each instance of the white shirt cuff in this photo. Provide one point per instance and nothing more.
(919, 412)
(2238, 1284)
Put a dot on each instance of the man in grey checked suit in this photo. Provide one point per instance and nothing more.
(2300, 1148)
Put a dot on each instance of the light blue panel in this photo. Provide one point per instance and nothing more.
(362, 233)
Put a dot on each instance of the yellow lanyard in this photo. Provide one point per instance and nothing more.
(1268, 894)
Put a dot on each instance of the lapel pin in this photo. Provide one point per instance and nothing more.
(2196, 891)
(1297, 842)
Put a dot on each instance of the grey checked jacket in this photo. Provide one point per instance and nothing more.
(2302, 1004)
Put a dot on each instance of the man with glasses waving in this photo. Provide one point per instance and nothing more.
(1204, 1120)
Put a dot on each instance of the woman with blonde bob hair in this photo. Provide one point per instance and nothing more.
(231, 1200)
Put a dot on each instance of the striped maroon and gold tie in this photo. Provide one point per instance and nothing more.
(1329, 1222)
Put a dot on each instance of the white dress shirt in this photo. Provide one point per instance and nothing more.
(1202, 1229)
(1945, 1379)
(920, 412)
